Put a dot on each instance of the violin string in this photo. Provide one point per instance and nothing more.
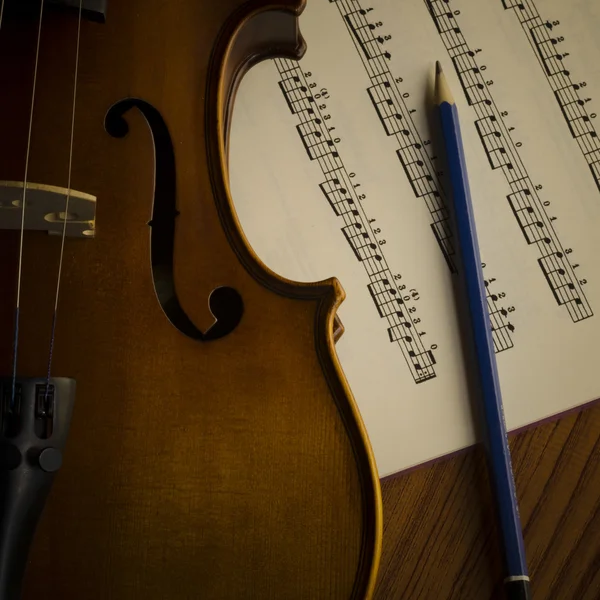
(67, 200)
(23, 201)
(1, 13)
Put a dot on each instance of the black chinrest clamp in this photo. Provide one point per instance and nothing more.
(34, 424)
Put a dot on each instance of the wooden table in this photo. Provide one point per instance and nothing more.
(440, 541)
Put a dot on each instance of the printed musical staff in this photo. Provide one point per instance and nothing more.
(420, 180)
(531, 223)
(339, 197)
(314, 144)
(524, 200)
(370, 44)
(392, 306)
(444, 20)
(295, 95)
(555, 270)
(502, 328)
(340, 190)
(395, 117)
(546, 45)
(360, 241)
(384, 105)
(491, 138)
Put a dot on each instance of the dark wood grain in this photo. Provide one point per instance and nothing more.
(440, 539)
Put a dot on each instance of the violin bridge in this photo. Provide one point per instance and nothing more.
(45, 209)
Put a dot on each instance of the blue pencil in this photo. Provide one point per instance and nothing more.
(496, 441)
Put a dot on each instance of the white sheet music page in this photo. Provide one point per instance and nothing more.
(333, 173)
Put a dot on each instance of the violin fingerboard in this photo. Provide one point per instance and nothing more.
(94, 10)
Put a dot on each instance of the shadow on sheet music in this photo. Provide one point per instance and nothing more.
(460, 307)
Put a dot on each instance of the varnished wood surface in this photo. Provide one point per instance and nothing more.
(235, 468)
(440, 540)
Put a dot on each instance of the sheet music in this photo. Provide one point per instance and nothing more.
(334, 173)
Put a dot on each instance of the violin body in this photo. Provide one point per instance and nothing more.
(215, 449)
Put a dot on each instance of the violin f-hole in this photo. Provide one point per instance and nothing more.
(225, 303)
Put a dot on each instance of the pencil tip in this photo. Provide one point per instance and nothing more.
(442, 92)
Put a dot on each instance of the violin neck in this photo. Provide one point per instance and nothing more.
(94, 10)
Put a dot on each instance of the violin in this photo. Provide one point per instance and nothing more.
(175, 422)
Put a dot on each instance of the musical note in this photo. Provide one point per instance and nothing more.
(386, 298)
(296, 95)
(338, 197)
(422, 361)
(546, 49)
(574, 113)
(315, 144)
(416, 172)
(470, 78)
(371, 45)
(555, 272)
(443, 20)
(502, 152)
(492, 142)
(530, 222)
(360, 241)
(388, 114)
(545, 44)
(502, 328)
